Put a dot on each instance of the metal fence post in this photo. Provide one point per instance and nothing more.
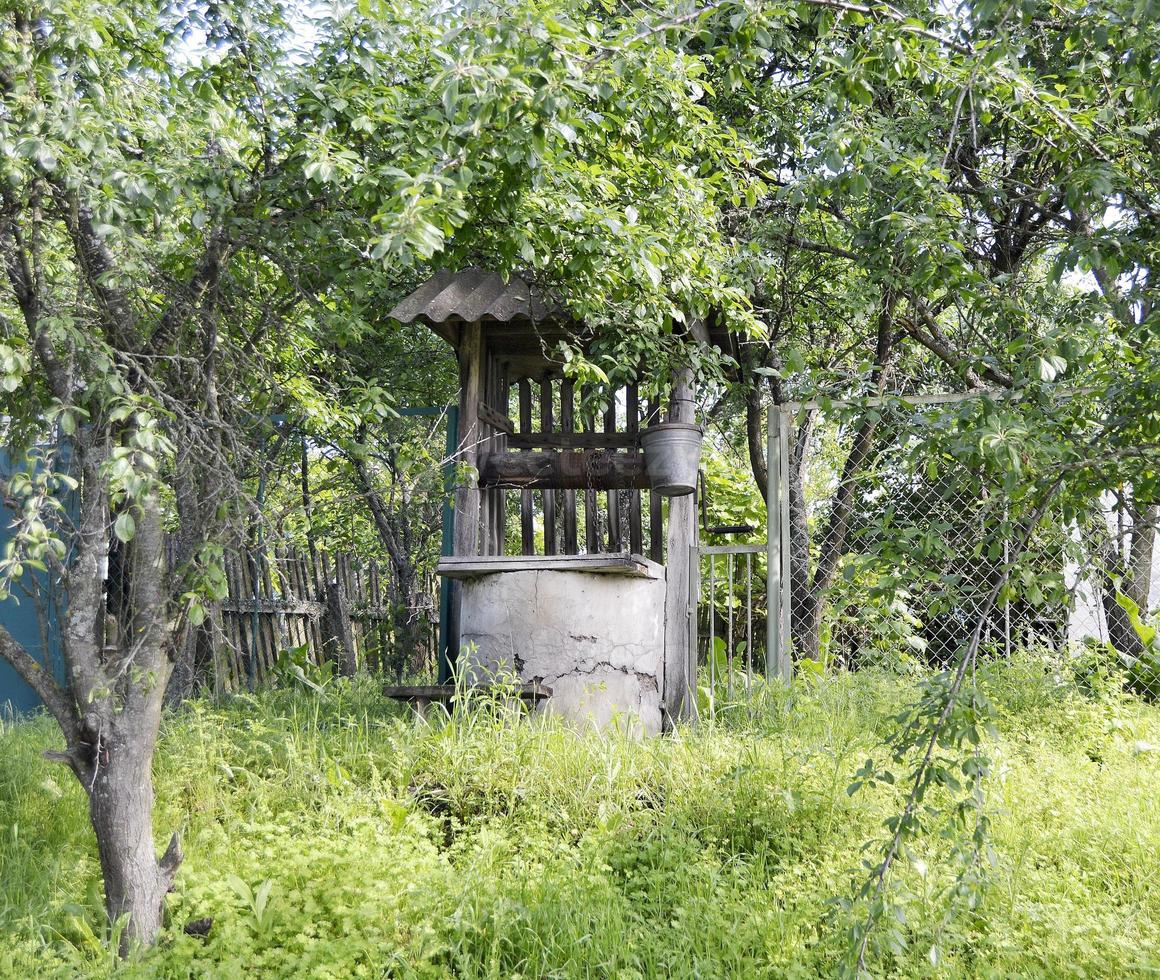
(778, 574)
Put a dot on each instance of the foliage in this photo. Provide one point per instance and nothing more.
(477, 847)
(201, 226)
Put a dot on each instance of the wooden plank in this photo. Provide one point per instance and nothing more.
(309, 573)
(634, 566)
(527, 510)
(588, 469)
(655, 512)
(230, 624)
(283, 626)
(546, 424)
(567, 423)
(632, 431)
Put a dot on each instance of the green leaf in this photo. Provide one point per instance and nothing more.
(125, 527)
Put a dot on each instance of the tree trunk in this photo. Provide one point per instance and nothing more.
(1132, 578)
(409, 655)
(1121, 634)
(1141, 555)
(121, 811)
(337, 626)
(808, 618)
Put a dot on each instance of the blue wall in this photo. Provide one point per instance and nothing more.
(30, 615)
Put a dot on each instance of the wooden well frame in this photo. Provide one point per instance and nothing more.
(540, 474)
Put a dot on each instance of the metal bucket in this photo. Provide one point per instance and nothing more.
(672, 456)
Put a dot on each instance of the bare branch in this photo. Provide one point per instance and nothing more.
(55, 698)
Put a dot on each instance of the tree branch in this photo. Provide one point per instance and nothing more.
(55, 698)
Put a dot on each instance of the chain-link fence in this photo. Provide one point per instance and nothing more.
(885, 550)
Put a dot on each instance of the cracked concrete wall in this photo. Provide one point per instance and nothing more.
(597, 640)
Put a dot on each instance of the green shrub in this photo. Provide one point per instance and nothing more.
(334, 835)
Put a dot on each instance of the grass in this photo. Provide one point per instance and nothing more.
(336, 836)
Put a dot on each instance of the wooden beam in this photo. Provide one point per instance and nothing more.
(465, 541)
(588, 469)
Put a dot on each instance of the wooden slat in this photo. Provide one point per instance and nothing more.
(567, 423)
(314, 570)
(656, 536)
(632, 430)
(546, 425)
(591, 515)
(527, 510)
(499, 444)
(613, 495)
(282, 622)
(486, 500)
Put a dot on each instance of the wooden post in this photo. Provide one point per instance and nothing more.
(466, 538)
(680, 683)
(470, 386)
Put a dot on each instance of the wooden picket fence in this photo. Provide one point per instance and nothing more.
(329, 608)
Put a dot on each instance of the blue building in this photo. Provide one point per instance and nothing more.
(31, 614)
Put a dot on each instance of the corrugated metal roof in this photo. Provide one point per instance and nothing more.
(471, 295)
